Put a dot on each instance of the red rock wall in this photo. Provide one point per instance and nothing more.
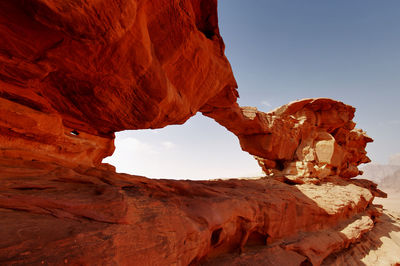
(140, 64)
(105, 66)
(51, 215)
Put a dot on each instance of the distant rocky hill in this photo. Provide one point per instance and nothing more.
(392, 182)
(387, 176)
(377, 172)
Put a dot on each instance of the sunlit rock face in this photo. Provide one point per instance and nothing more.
(72, 73)
(303, 141)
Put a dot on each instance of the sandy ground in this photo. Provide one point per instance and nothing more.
(392, 202)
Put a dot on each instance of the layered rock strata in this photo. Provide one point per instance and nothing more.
(89, 216)
(72, 73)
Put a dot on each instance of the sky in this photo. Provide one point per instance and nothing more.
(280, 51)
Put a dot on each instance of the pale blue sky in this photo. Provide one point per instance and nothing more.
(280, 51)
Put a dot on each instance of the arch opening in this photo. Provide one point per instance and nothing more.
(199, 149)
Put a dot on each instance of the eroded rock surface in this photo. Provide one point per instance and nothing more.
(96, 67)
(51, 214)
(74, 72)
(303, 141)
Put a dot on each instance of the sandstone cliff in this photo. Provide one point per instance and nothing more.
(74, 72)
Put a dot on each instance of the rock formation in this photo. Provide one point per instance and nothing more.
(304, 141)
(74, 72)
(96, 67)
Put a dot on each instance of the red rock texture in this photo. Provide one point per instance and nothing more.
(31, 134)
(303, 141)
(111, 65)
(97, 67)
(90, 216)
(72, 73)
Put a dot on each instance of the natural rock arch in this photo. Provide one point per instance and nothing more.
(98, 67)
